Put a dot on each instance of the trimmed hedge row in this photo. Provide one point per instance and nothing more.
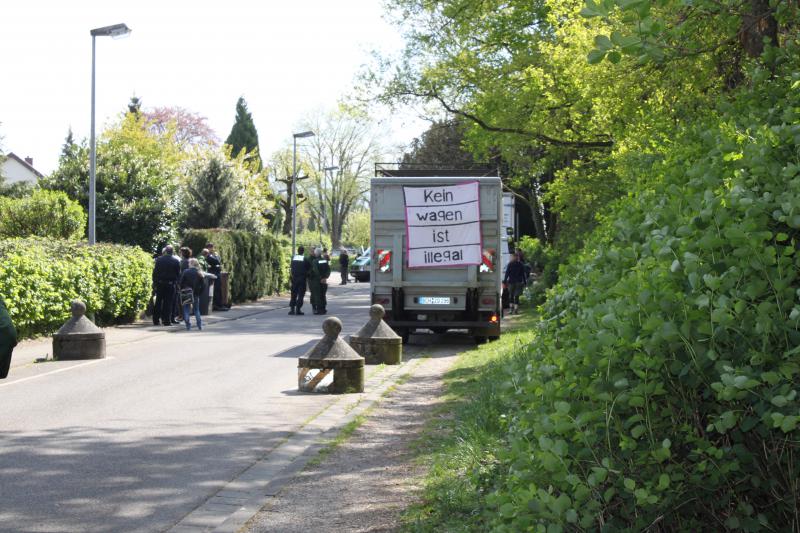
(40, 277)
(258, 264)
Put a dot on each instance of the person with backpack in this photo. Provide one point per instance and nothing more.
(191, 286)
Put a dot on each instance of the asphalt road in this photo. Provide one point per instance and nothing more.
(138, 440)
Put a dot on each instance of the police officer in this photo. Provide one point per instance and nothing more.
(300, 268)
(314, 281)
(8, 339)
(324, 269)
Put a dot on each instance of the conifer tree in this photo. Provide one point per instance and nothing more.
(211, 194)
(243, 135)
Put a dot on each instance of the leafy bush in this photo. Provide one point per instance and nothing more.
(257, 263)
(662, 390)
(40, 277)
(544, 260)
(313, 239)
(42, 214)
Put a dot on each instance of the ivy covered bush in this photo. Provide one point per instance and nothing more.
(661, 392)
(257, 263)
(40, 277)
(42, 214)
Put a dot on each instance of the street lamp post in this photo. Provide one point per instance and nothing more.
(325, 182)
(115, 31)
(294, 183)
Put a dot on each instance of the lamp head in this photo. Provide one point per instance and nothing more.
(304, 134)
(115, 31)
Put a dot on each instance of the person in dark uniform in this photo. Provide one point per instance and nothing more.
(324, 270)
(215, 267)
(8, 339)
(166, 272)
(300, 268)
(344, 264)
(314, 281)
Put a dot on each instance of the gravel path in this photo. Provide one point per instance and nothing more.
(366, 482)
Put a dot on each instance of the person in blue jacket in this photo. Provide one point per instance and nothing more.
(515, 279)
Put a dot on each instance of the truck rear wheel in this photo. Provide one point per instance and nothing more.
(479, 339)
(405, 335)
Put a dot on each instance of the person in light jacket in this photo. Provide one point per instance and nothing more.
(191, 286)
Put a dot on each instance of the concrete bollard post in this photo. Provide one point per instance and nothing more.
(79, 338)
(376, 341)
(331, 355)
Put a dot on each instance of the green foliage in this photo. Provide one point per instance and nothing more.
(137, 182)
(357, 229)
(544, 260)
(42, 214)
(224, 193)
(243, 136)
(40, 277)
(312, 239)
(257, 263)
(661, 392)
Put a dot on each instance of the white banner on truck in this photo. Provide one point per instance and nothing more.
(443, 225)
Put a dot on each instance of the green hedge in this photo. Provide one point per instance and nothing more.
(40, 277)
(42, 214)
(257, 263)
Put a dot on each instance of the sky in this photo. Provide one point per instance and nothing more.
(288, 59)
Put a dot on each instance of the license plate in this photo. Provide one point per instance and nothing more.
(434, 300)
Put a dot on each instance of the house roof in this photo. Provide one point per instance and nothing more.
(21, 161)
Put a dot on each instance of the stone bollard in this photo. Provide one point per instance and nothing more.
(376, 341)
(79, 338)
(331, 354)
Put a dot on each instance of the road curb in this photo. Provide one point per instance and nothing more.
(233, 506)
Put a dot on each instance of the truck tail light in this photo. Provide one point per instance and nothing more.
(382, 301)
(493, 320)
(384, 260)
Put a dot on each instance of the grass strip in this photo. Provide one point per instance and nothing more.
(459, 441)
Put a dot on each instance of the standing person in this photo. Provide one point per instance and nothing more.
(344, 264)
(8, 339)
(298, 276)
(186, 253)
(166, 272)
(324, 269)
(202, 260)
(314, 281)
(191, 285)
(215, 267)
(515, 278)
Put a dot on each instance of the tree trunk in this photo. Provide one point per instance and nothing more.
(758, 24)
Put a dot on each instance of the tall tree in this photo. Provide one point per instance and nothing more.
(441, 144)
(280, 170)
(225, 192)
(243, 134)
(187, 128)
(346, 140)
(137, 183)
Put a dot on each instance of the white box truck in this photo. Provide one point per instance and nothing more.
(436, 253)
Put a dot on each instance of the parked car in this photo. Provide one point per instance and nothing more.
(359, 269)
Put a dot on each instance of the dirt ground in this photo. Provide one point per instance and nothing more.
(367, 481)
